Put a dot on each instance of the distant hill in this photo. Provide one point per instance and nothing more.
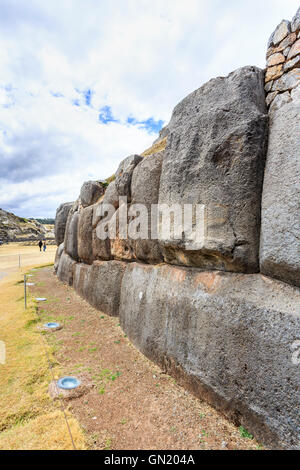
(14, 228)
(45, 221)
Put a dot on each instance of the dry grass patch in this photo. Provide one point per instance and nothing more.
(28, 418)
(158, 147)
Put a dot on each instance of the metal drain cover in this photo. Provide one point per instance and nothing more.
(68, 383)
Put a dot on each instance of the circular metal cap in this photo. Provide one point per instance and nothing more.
(68, 383)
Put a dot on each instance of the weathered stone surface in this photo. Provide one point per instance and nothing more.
(120, 245)
(280, 100)
(61, 221)
(215, 156)
(85, 227)
(268, 86)
(296, 21)
(66, 269)
(100, 284)
(271, 97)
(287, 42)
(291, 64)
(275, 59)
(227, 337)
(124, 175)
(280, 242)
(145, 180)
(286, 51)
(71, 233)
(282, 30)
(273, 72)
(287, 81)
(295, 50)
(91, 192)
(100, 248)
(111, 195)
(145, 190)
(58, 254)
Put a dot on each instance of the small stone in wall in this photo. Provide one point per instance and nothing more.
(296, 21)
(281, 32)
(268, 86)
(287, 42)
(273, 73)
(287, 81)
(286, 51)
(295, 50)
(275, 59)
(271, 97)
(291, 64)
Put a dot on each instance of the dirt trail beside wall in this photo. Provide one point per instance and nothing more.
(132, 404)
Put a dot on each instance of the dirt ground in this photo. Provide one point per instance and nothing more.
(29, 256)
(132, 404)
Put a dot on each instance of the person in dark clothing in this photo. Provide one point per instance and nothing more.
(40, 245)
(44, 246)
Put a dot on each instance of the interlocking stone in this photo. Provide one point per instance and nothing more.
(286, 51)
(275, 59)
(291, 64)
(287, 81)
(273, 73)
(295, 49)
(271, 97)
(268, 86)
(296, 21)
(288, 41)
(280, 100)
(282, 30)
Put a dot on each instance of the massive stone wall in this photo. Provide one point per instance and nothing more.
(223, 317)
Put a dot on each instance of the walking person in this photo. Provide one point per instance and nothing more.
(40, 245)
(44, 246)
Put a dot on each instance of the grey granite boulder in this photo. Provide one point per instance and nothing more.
(91, 192)
(145, 191)
(85, 228)
(58, 254)
(229, 338)
(71, 233)
(215, 157)
(280, 230)
(124, 175)
(100, 284)
(61, 221)
(66, 267)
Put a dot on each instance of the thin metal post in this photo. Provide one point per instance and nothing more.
(25, 294)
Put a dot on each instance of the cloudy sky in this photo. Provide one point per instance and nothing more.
(85, 83)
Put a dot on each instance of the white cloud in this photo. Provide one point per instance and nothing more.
(139, 57)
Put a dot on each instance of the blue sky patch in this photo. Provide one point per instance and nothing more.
(151, 126)
(106, 116)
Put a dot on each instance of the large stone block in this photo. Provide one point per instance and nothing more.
(58, 254)
(91, 192)
(61, 221)
(215, 156)
(280, 231)
(66, 267)
(145, 191)
(124, 175)
(85, 228)
(229, 337)
(100, 284)
(71, 233)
